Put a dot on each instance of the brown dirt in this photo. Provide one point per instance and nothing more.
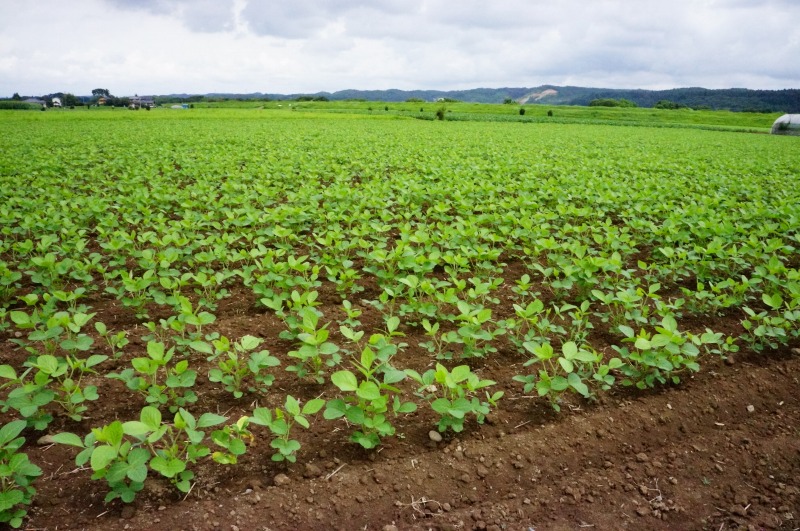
(719, 451)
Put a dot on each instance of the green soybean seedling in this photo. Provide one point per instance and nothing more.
(366, 403)
(47, 379)
(17, 475)
(573, 370)
(451, 394)
(656, 358)
(238, 369)
(233, 440)
(315, 352)
(122, 453)
(282, 422)
(116, 341)
(158, 380)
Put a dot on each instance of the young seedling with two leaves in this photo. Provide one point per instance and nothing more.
(452, 395)
(157, 380)
(237, 370)
(573, 370)
(366, 403)
(281, 425)
(315, 352)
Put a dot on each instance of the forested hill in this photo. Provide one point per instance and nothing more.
(734, 99)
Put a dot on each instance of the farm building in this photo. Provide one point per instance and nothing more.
(788, 124)
(141, 102)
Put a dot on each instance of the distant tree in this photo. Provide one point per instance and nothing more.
(508, 101)
(440, 113)
(70, 100)
(550, 113)
(386, 108)
(669, 105)
(522, 111)
(610, 102)
(415, 100)
(101, 92)
(16, 97)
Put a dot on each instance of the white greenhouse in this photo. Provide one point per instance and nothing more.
(788, 124)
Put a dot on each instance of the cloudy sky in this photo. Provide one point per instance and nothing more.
(200, 46)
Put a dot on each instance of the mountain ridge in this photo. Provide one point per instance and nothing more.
(735, 99)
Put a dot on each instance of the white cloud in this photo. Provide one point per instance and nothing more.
(198, 46)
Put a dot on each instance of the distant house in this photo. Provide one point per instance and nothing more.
(56, 102)
(139, 102)
(102, 100)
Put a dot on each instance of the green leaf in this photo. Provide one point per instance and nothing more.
(167, 467)
(773, 301)
(137, 465)
(627, 331)
(642, 343)
(112, 434)
(576, 383)
(559, 383)
(313, 406)
(150, 417)
(102, 456)
(8, 372)
(368, 391)
(210, 419)
(95, 359)
(250, 342)
(20, 318)
(144, 365)
(202, 347)
(441, 406)
(8, 500)
(47, 363)
(285, 447)
(335, 409)
(292, 405)
(391, 376)
(134, 428)
(345, 380)
(569, 349)
(66, 438)
(10, 432)
(461, 373)
(155, 350)
(407, 407)
(355, 415)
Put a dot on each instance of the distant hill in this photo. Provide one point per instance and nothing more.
(735, 99)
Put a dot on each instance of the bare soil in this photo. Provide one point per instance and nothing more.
(720, 451)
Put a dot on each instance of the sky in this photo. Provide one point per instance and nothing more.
(306, 46)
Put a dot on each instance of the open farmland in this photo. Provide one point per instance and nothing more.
(599, 323)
